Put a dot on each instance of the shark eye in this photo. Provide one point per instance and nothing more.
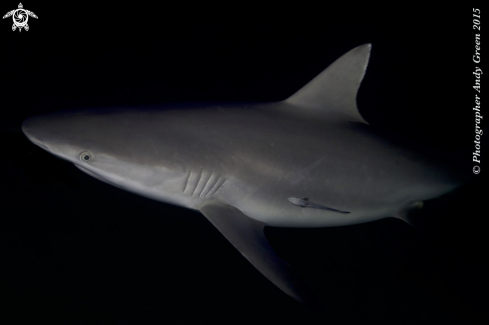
(85, 156)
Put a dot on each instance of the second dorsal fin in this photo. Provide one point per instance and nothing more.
(335, 89)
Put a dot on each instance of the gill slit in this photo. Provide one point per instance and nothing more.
(198, 182)
(186, 183)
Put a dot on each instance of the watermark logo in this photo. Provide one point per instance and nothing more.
(476, 155)
(20, 17)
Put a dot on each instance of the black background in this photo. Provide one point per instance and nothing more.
(76, 251)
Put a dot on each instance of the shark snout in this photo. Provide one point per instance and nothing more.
(33, 128)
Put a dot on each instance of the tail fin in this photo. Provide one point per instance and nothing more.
(335, 89)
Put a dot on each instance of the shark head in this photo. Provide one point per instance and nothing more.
(67, 135)
(102, 143)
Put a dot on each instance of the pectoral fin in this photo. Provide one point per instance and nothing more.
(246, 235)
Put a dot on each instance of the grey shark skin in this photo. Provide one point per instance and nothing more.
(308, 161)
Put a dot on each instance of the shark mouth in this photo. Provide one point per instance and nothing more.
(86, 171)
(43, 147)
(97, 176)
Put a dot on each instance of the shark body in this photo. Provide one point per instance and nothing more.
(308, 161)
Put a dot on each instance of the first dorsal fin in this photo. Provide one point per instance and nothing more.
(335, 89)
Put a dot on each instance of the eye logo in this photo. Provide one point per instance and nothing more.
(20, 17)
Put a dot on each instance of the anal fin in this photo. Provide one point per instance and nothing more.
(409, 215)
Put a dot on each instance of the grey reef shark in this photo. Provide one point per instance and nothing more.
(310, 160)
